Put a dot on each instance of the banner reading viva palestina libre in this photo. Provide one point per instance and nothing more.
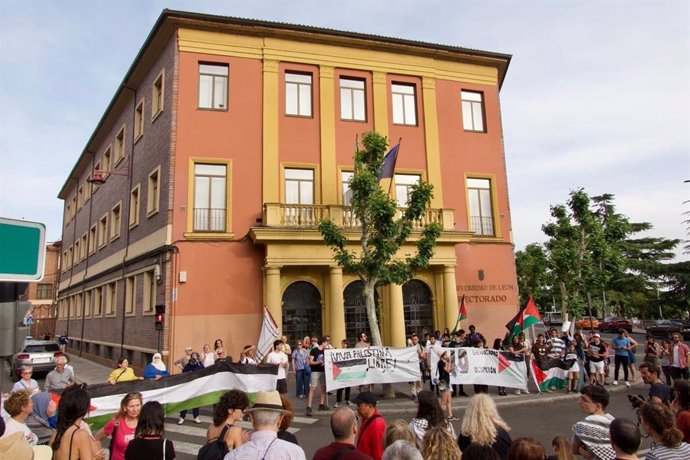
(484, 366)
(347, 367)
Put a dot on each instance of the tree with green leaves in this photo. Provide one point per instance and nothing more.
(583, 252)
(383, 229)
(533, 278)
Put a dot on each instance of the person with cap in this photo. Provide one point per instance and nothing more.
(596, 352)
(248, 355)
(266, 415)
(318, 375)
(193, 365)
(372, 427)
(182, 362)
(156, 369)
(344, 429)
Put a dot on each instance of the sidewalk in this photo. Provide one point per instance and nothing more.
(91, 373)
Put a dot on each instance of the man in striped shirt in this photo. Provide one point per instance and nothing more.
(555, 348)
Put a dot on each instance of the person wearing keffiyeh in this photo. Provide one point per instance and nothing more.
(591, 438)
(156, 368)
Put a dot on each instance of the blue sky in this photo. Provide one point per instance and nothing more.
(597, 94)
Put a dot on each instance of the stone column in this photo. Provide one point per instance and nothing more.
(273, 297)
(450, 296)
(336, 305)
(396, 321)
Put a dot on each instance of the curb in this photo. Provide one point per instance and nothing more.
(397, 408)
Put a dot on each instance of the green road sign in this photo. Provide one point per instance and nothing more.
(22, 250)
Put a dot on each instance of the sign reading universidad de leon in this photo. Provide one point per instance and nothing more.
(22, 250)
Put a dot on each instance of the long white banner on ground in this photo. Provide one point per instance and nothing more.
(483, 366)
(348, 367)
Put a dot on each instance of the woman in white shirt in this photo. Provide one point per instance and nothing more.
(26, 382)
(19, 405)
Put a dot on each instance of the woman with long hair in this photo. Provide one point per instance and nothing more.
(482, 425)
(657, 421)
(681, 407)
(149, 441)
(445, 367)
(397, 431)
(70, 441)
(429, 415)
(286, 421)
(562, 450)
(122, 427)
(665, 360)
(230, 409)
(439, 444)
(526, 449)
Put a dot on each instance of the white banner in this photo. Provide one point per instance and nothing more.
(483, 366)
(348, 367)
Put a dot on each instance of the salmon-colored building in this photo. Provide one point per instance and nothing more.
(229, 139)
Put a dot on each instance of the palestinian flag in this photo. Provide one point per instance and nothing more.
(462, 313)
(549, 373)
(182, 391)
(526, 317)
(351, 369)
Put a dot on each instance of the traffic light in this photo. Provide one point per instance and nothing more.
(160, 317)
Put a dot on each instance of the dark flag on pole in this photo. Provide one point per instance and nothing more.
(388, 167)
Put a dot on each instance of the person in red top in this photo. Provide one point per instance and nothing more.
(681, 407)
(680, 355)
(373, 426)
(344, 428)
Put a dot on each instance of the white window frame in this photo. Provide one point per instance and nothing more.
(353, 99)
(473, 111)
(404, 102)
(208, 175)
(298, 94)
(213, 84)
(482, 221)
(403, 187)
(299, 177)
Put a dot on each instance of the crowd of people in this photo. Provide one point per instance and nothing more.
(359, 429)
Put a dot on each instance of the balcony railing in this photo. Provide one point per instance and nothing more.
(482, 226)
(308, 216)
(209, 219)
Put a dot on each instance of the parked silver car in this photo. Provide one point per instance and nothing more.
(39, 354)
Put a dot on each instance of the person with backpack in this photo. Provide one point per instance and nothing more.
(223, 435)
(148, 441)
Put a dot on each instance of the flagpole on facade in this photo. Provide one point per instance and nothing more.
(390, 184)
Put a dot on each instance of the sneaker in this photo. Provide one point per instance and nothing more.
(517, 392)
(308, 411)
(336, 405)
(323, 407)
(453, 418)
(525, 391)
(627, 384)
(180, 421)
(349, 403)
(615, 382)
(197, 420)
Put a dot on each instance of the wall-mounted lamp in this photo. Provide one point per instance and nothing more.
(98, 176)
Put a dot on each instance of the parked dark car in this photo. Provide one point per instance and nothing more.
(39, 354)
(664, 329)
(613, 324)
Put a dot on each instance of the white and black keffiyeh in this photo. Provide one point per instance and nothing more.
(593, 432)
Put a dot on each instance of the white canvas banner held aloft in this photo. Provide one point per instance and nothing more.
(348, 367)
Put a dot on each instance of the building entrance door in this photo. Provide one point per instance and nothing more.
(356, 311)
(301, 311)
(418, 308)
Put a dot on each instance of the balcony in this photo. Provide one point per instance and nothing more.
(482, 226)
(305, 216)
(209, 219)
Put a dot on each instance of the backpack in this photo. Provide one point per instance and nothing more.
(215, 450)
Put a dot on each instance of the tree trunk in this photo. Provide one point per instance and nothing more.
(374, 330)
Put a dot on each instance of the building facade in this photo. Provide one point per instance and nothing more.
(226, 143)
(42, 294)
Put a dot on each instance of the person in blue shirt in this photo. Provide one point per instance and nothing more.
(621, 344)
(156, 368)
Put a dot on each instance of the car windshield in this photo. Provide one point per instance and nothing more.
(41, 348)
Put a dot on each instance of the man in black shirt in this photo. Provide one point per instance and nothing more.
(318, 375)
(658, 391)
